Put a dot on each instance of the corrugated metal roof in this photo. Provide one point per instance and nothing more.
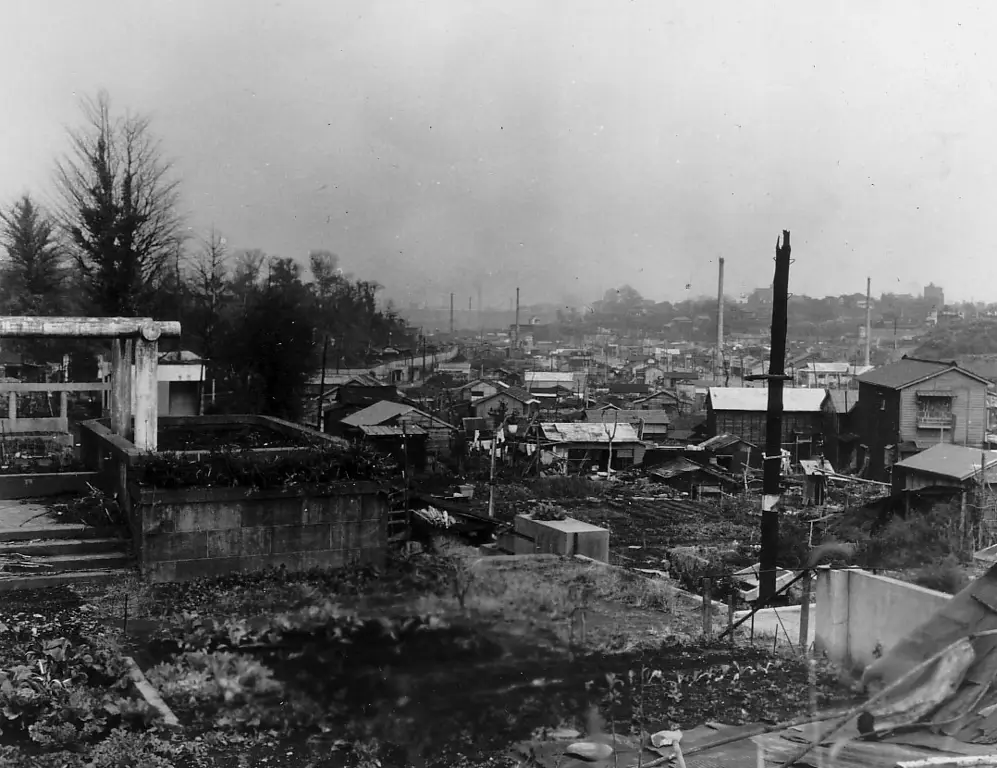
(535, 376)
(580, 432)
(948, 460)
(377, 413)
(627, 417)
(381, 430)
(723, 441)
(909, 371)
(757, 398)
(683, 466)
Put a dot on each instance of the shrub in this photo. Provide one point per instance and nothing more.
(946, 576)
(547, 511)
(244, 468)
(917, 540)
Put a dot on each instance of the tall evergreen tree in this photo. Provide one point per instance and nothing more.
(32, 274)
(118, 208)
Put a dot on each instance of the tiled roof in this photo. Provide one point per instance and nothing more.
(908, 371)
(757, 399)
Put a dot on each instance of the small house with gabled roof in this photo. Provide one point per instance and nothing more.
(912, 404)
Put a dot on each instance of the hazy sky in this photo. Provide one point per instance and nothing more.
(561, 146)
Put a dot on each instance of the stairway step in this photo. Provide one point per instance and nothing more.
(58, 563)
(27, 532)
(63, 547)
(9, 583)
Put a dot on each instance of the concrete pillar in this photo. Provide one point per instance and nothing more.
(831, 619)
(63, 405)
(12, 406)
(121, 389)
(146, 393)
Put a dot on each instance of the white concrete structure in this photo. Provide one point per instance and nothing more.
(177, 384)
(860, 615)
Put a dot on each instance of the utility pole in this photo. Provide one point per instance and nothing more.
(451, 316)
(776, 377)
(516, 334)
(718, 358)
(868, 317)
(321, 386)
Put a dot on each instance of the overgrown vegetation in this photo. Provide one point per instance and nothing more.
(94, 509)
(323, 463)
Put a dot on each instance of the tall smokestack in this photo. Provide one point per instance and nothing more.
(516, 335)
(718, 360)
(451, 314)
(868, 318)
(481, 317)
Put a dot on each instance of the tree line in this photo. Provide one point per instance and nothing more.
(112, 241)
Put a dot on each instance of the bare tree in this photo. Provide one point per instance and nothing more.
(611, 436)
(118, 206)
(209, 287)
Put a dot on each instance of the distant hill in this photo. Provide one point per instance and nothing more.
(953, 340)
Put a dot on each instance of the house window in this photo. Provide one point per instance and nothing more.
(934, 409)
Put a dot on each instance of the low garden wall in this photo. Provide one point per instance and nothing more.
(35, 484)
(186, 532)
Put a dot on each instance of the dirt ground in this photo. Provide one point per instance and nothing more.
(515, 660)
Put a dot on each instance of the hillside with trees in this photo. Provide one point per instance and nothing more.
(951, 340)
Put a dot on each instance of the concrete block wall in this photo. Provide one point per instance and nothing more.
(208, 532)
(858, 612)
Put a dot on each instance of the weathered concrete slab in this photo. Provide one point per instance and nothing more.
(21, 513)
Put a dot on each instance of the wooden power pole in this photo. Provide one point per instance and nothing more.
(772, 466)
(868, 318)
(516, 335)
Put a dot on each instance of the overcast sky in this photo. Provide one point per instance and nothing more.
(562, 146)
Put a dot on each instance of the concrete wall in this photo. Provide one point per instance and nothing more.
(857, 611)
(188, 533)
(185, 533)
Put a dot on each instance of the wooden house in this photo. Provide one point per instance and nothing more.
(733, 453)
(439, 434)
(969, 471)
(504, 402)
(669, 401)
(650, 425)
(912, 404)
(840, 428)
(581, 446)
(743, 412)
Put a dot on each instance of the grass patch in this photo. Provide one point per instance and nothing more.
(568, 487)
